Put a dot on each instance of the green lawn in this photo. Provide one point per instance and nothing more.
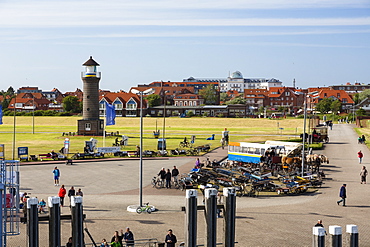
(48, 132)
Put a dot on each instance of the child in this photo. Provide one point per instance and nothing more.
(42, 205)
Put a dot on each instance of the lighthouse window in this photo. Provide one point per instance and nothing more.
(88, 96)
(88, 109)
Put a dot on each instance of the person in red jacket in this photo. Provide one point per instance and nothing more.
(360, 156)
(62, 193)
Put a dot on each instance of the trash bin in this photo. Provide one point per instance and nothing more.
(161, 144)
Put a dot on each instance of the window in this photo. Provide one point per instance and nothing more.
(287, 93)
(131, 105)
(87, 126)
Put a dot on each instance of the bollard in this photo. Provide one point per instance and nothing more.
(229, 216)
(191, 218)
(211, 216)
(318, 237)
(54, 221)
(32, 222)
(77, 221)
(336, 238)
(353, 235)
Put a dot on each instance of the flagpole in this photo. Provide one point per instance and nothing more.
(105, 124)
(15, 102)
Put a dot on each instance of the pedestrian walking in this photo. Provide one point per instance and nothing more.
(363, 138)
(79, 193)
(104, 243)
(363, 174)
(168, 179)
(128, 236)
(117, 237)
(162, 175)
(69, 243)
(170, 239)
(175, 174)
(71, 192)
(319, 224)
(56, 173)
(343, 195)
(197, 163)
(360, 155)
(62, 193)
(225, 136)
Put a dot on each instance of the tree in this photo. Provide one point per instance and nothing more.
(328, 104)
(209, 95)
(224, 97)
(237, 100)
(153, 100)
(361, 112)
(363, 95)
(336, 106)
(10, 91)
(356, 98)
(324, 105)
(72, 104)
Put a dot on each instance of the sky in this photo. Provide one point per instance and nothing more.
(316, 42)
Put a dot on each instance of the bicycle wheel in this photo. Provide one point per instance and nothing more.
(176, 185)
(139, 210)
(154, 182)
(181, 145)
(149, 210)
(159, 184)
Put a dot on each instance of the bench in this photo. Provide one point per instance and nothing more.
(131, 153)
(46, 156)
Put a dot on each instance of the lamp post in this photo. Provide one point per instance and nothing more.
(304, 133)
(141, 93)
(33, 114)
(164, 121)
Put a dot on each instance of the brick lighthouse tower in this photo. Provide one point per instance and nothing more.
(90, 124)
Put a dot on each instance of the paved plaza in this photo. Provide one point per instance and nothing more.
(110, 186)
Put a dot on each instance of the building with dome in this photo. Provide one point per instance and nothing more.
(237, 82)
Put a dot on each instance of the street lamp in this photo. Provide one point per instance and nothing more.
(164, 120)
(141, 93)
(33, 114)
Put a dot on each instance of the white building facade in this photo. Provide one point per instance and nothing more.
(236, 82)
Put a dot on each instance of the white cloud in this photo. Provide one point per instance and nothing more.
(17, 14)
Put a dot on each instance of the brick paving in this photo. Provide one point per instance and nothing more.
(111, 185)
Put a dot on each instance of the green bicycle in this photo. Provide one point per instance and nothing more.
(146, 208)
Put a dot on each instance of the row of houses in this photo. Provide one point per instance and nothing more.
(181, 97)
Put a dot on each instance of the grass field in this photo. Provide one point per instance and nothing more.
(48, 132)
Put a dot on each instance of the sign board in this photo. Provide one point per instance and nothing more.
(109, 149)
(2, 151)
(22, 151)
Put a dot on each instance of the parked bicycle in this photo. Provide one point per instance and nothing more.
(146, 208)
(192, 151)
(185, 145)
(157, 182)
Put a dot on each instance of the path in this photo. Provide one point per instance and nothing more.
(275, 221)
